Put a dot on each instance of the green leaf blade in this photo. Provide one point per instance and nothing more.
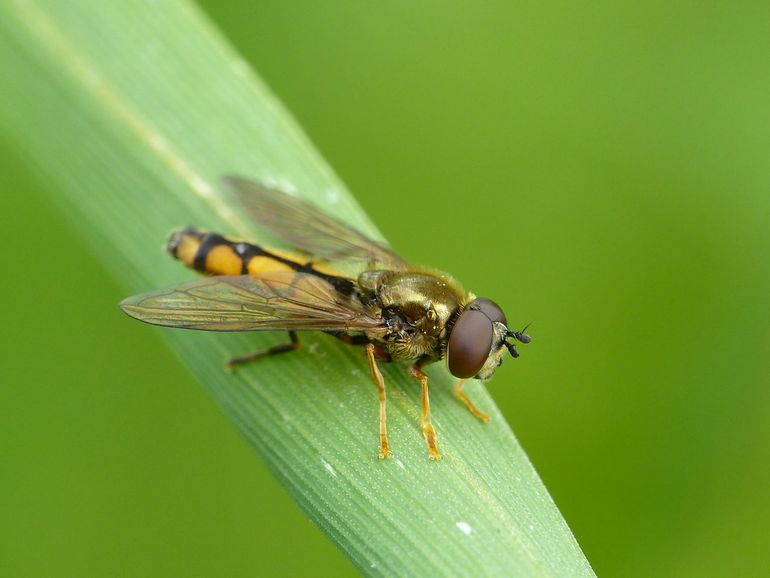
(133, 112)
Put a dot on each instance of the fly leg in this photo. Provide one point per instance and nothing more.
(468, 403)
(427, 426)
(275, 350)
(371, 353)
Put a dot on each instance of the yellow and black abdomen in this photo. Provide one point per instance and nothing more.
(214, 254)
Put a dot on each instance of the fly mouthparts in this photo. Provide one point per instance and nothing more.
(512, 349)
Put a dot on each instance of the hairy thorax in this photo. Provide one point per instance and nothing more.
(418, 305)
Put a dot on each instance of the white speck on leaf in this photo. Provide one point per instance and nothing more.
(287, 187)
(464, 527)
(329, 467)
(332, 196)
(282, 184)
(400, 464)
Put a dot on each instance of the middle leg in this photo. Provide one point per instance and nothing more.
(427, 425)
(371, 354)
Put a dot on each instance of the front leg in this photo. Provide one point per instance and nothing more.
(427, 426)
(468, 403)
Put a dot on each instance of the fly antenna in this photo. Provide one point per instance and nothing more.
(520, 335)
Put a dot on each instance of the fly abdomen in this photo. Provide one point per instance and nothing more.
(214, 254)
(183, 244)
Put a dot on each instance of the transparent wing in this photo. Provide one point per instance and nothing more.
(282, 300)
(306, 227)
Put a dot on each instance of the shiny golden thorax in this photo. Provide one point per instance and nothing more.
(419, 305)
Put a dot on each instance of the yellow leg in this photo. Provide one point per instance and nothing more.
(468, 403)
(427, 426)
(380, 383)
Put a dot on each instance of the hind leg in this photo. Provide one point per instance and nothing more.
(275, 350)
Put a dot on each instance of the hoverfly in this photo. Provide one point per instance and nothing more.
(395, 311)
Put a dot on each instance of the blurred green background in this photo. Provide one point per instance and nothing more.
(603, 170)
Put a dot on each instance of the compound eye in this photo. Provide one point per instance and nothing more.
(490, 309)
(469, 343)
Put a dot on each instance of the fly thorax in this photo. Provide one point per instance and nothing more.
(425, 301)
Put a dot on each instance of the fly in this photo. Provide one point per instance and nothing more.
(395, 311)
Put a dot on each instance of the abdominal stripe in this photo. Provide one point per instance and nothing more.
(246, 252)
